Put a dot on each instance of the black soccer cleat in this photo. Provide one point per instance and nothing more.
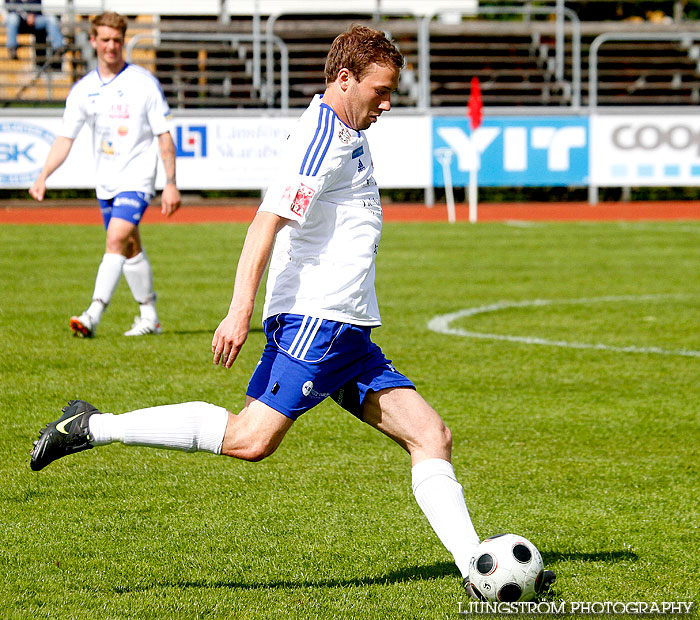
(469, 590)
(548, 578)
(67, 435)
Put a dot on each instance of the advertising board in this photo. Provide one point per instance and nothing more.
(513, 150)
(408, 151)
(645, 150)
(213, 152)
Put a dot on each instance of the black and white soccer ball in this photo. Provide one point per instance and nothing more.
(506, 568)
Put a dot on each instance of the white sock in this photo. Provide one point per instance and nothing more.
(187, 426)
(139, 277)
(108, 274)
(441, 499)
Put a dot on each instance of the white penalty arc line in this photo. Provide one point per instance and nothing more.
(441, 324)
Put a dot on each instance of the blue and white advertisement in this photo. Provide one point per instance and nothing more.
(23, 149)
(512, 151)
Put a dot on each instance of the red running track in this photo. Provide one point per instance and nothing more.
(64, 213)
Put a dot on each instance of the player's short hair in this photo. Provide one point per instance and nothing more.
(110, 19)
(359, 47)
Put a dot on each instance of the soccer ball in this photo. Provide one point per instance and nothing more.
(507, 568)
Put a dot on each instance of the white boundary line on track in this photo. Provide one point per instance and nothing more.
(441, 324)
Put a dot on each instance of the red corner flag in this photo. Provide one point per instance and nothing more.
(475, 106)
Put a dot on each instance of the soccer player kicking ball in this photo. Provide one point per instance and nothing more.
(125, 108)
(319, 227)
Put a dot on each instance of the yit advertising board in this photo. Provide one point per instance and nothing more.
(512, 150)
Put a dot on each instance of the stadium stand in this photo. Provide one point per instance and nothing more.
(227, 56)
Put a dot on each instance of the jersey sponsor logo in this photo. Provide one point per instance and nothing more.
(123, 130)
(372, 203)
(125, 201)
(344, 135)
(119, 110)
(360, 167)
(308, 390)
(357, 152)
(302, 198)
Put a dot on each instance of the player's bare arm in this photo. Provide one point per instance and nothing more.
(170, 197)
(233, 330)
(57, 155)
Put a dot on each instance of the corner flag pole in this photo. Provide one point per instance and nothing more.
(475, 113)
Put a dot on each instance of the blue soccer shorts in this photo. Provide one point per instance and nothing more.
(129, 206)
(308, 359)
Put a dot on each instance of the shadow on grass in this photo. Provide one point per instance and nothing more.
(410, 573)
(550, 557)
(403, 575)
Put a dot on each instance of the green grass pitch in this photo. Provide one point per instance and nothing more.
(591, 453)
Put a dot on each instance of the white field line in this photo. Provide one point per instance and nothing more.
(522, 224)
(441, 324)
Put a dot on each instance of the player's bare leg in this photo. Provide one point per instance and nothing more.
(122, 238)
(256, 432)
(403, 415)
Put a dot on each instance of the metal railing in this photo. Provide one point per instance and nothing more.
(270, 76)
(685, 37)
(424, 49)
(561, 13)
(234, 39)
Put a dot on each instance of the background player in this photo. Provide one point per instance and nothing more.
(29, 14)
(125, 108)
(324, 218)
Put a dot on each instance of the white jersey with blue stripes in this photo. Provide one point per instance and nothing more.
(323, 263)
(124, 113)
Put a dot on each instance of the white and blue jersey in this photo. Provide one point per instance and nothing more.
(320, 304)
(125, 114)
(322, 264)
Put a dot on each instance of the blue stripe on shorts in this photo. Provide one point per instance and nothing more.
(307, 359)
